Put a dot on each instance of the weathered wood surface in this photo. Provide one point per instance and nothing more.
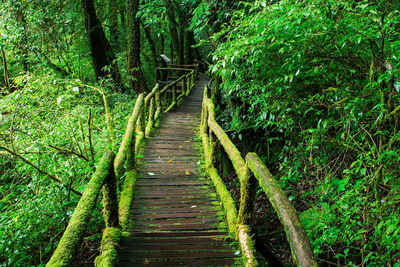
(177, 219)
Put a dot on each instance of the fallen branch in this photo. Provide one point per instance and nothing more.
(37, 168)
(67, 151)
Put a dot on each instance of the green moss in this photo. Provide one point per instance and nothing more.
(109, 245)
(298, 240)
(128, 139)
(72, 237)
(226, 198)
(247, 246)
(126, 199)
(173, 104)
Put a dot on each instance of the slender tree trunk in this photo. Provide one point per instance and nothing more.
(151, 44)
(5, 68)
(135, 72)
(23, 44)
(173, 28)
(101, 51)
(189, 42)
(114, 31)
(162, 44)
(181, 50)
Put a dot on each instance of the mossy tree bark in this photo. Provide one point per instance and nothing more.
(101, 51)
(136, 80)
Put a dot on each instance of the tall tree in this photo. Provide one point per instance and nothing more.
(174, 30)
(113, 17)
(136, 78)
(101, 51)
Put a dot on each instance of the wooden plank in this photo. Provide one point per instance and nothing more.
(174, 215)
(177, 255)
(174, 204)
(177, 221)
(206, 262)
(178, 247)
(172, 227)
(179, 234)
(173, 210)
(137, 241)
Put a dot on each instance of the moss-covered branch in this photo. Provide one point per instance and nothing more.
(14, 153)
(299, 243)
(246, 245)
(128, 138)
(126, 199)
(108, 251)
(231, 150)
(72, 237)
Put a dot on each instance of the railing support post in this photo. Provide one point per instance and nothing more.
(110, 201)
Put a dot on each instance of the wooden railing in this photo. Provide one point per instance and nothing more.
(249, 170)
(171, 72)
(111, 169)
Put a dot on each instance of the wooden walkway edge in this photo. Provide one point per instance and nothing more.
(177, 218)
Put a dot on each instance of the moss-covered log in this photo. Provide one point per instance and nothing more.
(227, 201)
(109, 248)
(247, 246)
(171, 84)
(152, 93)
(150, 120)
(72, 237)
(128, 138)
(173, 104)
(231, 150)
(299, 243)
(126, 199)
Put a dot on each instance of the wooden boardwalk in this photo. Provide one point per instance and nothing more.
(177, 217)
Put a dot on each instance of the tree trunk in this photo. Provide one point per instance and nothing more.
(5, 68)
(23, 44)
(181, 50)
(101, 51)
(152, 45)
(135, 73)
(173, 28)
(114, 31)
(189, 42)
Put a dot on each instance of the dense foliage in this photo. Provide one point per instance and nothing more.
(311, 86)
(318, 83)
(53, 128)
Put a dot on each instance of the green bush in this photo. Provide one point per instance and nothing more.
(318, 82)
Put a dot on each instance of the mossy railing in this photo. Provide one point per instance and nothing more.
(248, 171)
(112, 168)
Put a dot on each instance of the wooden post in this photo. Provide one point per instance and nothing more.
(110, 201)
(174, 93)
(150, 120)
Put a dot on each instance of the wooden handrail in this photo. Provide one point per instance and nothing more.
(299, 243)
(298, 240)
(112, 167)
(72, 237)
(127, 140)
(174, 69)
